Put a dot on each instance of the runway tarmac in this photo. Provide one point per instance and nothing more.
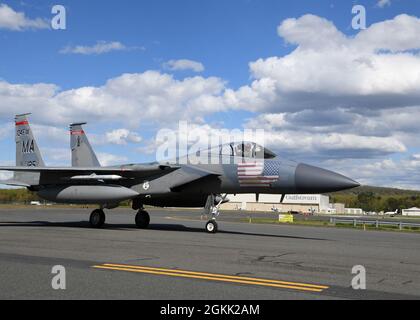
(176, 259)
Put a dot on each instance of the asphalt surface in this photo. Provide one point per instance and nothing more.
(176, 259)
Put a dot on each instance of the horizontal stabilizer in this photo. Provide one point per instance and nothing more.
(14, 183)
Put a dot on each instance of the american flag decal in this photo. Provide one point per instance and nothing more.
(258, 174)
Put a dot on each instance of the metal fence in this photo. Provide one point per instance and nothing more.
(376, 223)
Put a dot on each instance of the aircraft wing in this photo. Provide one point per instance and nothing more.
(58, 174)
(190, 175)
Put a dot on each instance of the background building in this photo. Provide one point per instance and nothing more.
(355, 211)
(412, 212)
(340, 208)
(304, 203)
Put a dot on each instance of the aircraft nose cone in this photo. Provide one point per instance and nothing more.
(311, 179)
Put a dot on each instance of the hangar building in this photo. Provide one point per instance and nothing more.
(306, 203)
(412, 212)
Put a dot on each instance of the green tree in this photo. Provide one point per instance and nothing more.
(366, 201)
(393, 204)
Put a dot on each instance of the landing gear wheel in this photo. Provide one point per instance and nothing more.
(211, 226)
(97, 218)
(142, 219)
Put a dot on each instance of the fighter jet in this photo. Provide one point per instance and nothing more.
(243, 167)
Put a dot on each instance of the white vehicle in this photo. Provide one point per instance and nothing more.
(391, 213)
(35, 203)
(371, 213)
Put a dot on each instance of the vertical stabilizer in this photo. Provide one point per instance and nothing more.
(27, 151)
(82, 154)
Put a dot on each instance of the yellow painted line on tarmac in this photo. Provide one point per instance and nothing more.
(214, 277)
(217, 275)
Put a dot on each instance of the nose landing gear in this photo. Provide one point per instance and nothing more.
(211, 226)
(212, 210)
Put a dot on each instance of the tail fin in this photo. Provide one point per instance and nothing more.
(82, 154)
(27, 151)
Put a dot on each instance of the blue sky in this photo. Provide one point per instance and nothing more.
(224, 37)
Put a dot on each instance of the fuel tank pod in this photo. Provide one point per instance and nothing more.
(87, 194)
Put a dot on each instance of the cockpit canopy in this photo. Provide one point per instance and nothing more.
(244, 150)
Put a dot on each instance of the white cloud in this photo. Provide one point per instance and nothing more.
(6, 130)
(17, 21)
(132, 99)
(374, 70)
(283, 138)
(184, 64)
(383, 3)
(52, 135)
(396, 35)
(55, 156)
(62, 157)
(108, 159)
(122, 137)
(403, 173)
(311, 31)
(100, 47)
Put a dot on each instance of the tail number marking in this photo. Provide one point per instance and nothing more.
(28, 146)
(22, 132)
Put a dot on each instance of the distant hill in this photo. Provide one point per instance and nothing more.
(377, 199)
(391, 192)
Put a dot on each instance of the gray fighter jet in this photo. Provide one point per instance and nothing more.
(243, 167)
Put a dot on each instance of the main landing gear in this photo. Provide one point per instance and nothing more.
(142, 219)
(97, 218)
(212, 211)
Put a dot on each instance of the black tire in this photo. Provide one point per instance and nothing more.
(212, 227)
(97, 219)
(142, 219)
